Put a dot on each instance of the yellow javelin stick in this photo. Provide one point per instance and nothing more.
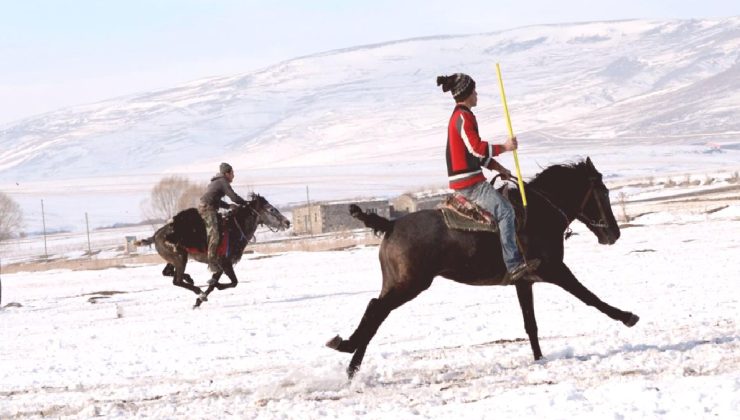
(511, 134)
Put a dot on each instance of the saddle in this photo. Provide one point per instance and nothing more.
(459, 213)
(189, 231)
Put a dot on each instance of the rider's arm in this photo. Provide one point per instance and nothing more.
(232, 195)
(481, 149)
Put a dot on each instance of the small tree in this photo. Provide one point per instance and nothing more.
(11, 217)
(172, 194)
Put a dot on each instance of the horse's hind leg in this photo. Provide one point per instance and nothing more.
(169, 271)
(563, 277)
(179, 266)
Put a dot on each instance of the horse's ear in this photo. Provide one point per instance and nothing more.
(590, 164)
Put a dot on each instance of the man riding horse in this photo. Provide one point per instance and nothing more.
(466, 155)
(210, 202)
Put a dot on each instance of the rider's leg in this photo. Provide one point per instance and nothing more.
(486, 196)
(210, 218)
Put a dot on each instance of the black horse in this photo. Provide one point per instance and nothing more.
(186, 237)
(418, 247)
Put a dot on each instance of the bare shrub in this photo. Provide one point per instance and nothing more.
(734, 178)
(686, 182)
(11, 217)
(622, 200)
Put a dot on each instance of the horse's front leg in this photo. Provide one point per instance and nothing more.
(563, 277)
(526, 302)
(212, 284)
(228, 269)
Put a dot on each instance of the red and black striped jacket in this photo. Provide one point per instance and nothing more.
(466, 152)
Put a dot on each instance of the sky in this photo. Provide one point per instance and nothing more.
(57, 54)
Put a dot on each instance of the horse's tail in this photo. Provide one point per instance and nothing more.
(372, 220)
(144, 242)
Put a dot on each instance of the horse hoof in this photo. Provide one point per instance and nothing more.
(632, 320)
(351, 371)
(334, 343)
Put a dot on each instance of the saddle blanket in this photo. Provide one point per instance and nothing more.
(462, 214)
(222, 250)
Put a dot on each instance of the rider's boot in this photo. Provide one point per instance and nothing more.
(523, 271)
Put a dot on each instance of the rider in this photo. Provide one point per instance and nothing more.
(466, 155)
(210, 202)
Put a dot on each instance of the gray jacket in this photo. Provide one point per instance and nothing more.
(217, 189)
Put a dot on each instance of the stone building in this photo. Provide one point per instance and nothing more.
(322, 217)
(411, 202)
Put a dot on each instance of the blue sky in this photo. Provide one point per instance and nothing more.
(61, 53)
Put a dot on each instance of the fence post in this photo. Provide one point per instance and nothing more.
(87, 223)
(43, 221)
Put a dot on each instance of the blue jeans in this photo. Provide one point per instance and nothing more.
(486, 196)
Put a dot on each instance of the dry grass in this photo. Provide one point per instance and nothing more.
(81, 264)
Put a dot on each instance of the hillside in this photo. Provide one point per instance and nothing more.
(639, 97)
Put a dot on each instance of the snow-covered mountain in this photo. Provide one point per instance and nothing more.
(638, 96)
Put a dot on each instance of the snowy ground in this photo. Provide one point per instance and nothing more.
(457, 351)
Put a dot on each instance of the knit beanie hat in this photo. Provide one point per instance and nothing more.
(224, 168)
(460, 84)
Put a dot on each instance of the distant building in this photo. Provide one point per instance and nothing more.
(411, 202)
(322, 217)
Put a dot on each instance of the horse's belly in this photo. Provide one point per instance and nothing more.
(476, 280)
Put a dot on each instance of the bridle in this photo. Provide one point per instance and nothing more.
(601, 223)
(256, 213)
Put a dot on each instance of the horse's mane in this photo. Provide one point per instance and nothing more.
(559, 173)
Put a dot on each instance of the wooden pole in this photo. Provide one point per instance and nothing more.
(43, 221)
(511, 134)
(310, 222)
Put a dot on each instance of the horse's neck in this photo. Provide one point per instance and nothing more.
(560, 196)
(244, 232)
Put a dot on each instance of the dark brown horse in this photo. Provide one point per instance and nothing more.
(418, 247)
(185, 237)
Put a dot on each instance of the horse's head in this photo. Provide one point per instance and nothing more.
(578, 192)
(267, 214)
(595, 210)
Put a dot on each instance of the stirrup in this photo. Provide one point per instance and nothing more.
(524, 270)
(214, 266)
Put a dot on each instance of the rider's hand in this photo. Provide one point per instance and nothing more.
(505, 174)
(511, 144)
